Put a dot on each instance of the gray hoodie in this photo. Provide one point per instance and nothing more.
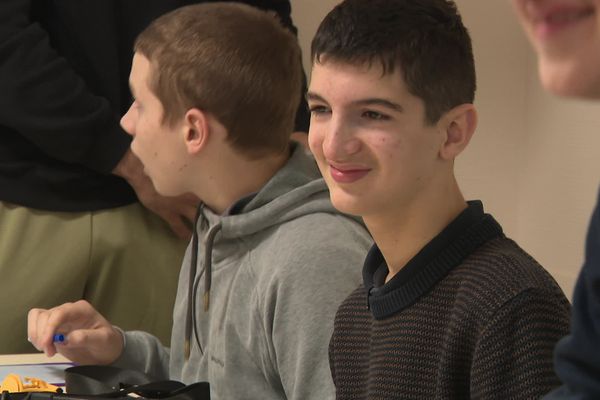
(280, 268)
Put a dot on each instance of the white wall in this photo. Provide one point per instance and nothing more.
(559, 177)
(535, 159)
(307, 14)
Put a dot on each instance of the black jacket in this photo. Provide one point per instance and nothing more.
(577, 355)
(64, 67)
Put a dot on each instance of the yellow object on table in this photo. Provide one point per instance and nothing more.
(14, 384)
(48, 372)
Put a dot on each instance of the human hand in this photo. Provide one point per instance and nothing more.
(179, 212)
(89, 337)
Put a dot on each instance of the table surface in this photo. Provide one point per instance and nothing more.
(34, 358)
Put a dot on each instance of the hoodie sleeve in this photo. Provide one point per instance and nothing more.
(46, 102)
(317, 274)
(144, 352)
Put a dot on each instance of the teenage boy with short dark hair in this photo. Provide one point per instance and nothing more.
(257, 296)
(450, 308)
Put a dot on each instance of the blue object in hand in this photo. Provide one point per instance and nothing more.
(59, 338)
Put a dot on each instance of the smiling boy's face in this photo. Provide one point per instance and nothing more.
(566, 37)
(160, 147)
(370, 138)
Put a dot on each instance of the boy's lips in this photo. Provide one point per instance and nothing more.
(347, 174)
(556, 18)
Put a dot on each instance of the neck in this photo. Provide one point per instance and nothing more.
(402, 232)
(238, 176)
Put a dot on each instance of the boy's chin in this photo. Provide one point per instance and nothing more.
(567, 80)
(346, 205)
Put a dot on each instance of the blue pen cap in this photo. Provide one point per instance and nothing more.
(58, 338)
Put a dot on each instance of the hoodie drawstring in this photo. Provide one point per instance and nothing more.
(190, 323)
(209, 241)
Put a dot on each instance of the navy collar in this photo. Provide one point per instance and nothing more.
(469, 230)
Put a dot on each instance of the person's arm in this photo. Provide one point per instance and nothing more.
(318, 273)
(44, 100)
(577, 356)
(144, 352)
(513, 356)
(90, 339)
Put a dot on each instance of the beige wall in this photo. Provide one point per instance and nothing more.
(535, 159)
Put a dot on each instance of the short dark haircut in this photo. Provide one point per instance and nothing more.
(425, 39)
(232, 60)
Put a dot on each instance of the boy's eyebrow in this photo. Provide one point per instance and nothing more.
(380, 102)
(314, 97)
(363, 102)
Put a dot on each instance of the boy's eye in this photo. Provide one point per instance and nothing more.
(318, 110)
(375, 115)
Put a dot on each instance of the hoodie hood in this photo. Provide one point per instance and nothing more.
(295, 190)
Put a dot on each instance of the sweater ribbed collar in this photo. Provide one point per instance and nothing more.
(469, 230)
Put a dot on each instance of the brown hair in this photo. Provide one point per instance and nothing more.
(235, 62)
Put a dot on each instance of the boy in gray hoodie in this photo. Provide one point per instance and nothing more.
(271, 259)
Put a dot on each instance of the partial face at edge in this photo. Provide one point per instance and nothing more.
(160, 148)
(370, 138)
(566, 37)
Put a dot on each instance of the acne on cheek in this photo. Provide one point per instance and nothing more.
(391, 144)
(389, 148)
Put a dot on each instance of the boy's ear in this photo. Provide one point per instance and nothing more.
(197, 130)
(459, 125)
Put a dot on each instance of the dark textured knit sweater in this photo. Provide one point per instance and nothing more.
(470, 316)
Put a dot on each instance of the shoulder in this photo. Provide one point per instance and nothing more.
(504, 264)
(500, 273)
(313, 241)
(353, 305)
(318, 256)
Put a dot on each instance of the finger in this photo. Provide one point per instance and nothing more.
(77, 338)
(56, 324)
(42, 342)
(188, 205)
(180, 228)
(75, 349)
(189, 213)
(32, 327)
(93, 346)
(96, 338)
(60, 320)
